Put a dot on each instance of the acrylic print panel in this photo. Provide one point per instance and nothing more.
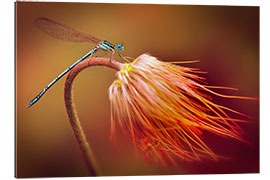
(170, 127)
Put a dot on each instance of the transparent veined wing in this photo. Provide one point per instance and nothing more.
(63, 32)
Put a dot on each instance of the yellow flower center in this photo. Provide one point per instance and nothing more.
(127, 67)
(117, 82)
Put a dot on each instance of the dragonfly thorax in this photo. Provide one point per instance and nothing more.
(107, 46)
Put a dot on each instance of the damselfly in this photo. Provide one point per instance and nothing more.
(63, 32)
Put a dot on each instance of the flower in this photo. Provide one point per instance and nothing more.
(164, 109)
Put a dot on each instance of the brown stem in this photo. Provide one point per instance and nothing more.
(72, 115)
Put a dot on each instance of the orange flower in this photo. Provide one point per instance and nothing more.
(164, 110)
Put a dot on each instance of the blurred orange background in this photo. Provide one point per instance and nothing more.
(224, 38)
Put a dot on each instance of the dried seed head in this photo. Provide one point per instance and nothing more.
(164, 110)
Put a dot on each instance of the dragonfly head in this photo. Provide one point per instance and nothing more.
(119, 47)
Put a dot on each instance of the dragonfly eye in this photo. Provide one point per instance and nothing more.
(120, 47)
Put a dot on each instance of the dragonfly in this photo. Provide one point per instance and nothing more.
(65, 33)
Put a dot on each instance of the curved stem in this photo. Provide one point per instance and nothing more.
(72, 115)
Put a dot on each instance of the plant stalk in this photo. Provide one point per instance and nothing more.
(85, 149)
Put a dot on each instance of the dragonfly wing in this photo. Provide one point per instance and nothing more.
(63, 32)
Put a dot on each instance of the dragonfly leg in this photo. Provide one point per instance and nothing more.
(112, 55)
(121, 56)
(106, 52)
(95, 50)
(102, 54)
(102, 49)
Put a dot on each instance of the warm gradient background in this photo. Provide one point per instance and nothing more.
(224, 38)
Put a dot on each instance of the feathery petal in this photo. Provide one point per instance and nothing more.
(164, 109)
